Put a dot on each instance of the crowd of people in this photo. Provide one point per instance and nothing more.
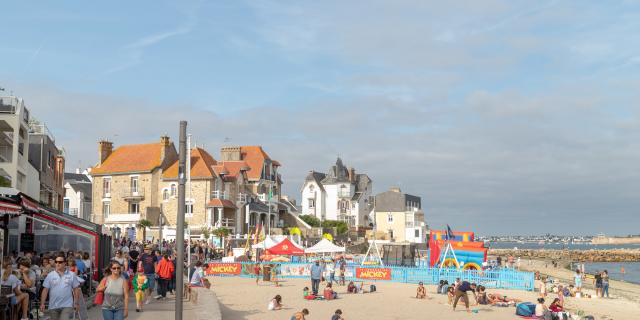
(38, 281)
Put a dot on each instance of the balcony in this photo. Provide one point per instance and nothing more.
(344, 194)
(123, 218)
(8, 104)
(73, 212)
(217, 194)
(243, 197)
(6, 153)
(132, 194)
(265, 197)
(225, 223)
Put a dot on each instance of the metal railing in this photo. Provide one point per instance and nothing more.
(344, 194)
(132, 193)
(243, 197)
(217, 194)
(8, 104)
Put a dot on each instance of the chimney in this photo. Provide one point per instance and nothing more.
(165, 141)
(395, 189)
(352, 175)
(104, 150)
(77, 170)
(230, 154)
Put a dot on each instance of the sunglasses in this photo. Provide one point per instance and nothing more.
(116, 268)
(60, 261)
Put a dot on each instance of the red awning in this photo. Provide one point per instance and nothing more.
(286, 247)
(29, 205)
(9, 208)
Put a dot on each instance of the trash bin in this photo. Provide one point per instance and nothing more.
(266, 273)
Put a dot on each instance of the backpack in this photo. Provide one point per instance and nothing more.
(525, 309)
(372, 288)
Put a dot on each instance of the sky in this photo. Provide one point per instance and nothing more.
(506, 117)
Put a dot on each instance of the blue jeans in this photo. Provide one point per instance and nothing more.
(109, 314)
(605, 290)
(315, 283)
(332, 277)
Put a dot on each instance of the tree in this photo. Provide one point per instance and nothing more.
(144, 224)
(341, 226)
(206, 232)
(221, 233)
(310, 220)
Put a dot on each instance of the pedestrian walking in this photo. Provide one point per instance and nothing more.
(316, 276)
(164, 269)
(62, 288)
(116, 293)
(148, 262)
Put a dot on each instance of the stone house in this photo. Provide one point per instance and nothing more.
(126, 183)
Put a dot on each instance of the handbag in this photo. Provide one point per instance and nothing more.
(99, 299)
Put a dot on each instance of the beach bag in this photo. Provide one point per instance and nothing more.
(525, 309)
(372, 288)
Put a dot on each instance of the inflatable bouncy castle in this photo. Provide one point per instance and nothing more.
(469, 254)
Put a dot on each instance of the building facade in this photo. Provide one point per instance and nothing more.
(126, 183)
(400, 216)
(77, 195)
(15, 169)
(48, 160)
(340, 194)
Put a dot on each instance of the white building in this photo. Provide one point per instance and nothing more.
(77, 194)
(341, 194)
(15, 169)
(400, 216)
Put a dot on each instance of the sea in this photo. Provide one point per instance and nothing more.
(631, 269)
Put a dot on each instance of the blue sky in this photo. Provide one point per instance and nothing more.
(495, 112)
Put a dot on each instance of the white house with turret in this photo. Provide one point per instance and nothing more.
(340, 194)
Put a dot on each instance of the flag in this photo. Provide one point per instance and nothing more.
(270, 194)
(450, 235)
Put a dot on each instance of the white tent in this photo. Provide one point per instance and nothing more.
(324, 246)
(267, 243)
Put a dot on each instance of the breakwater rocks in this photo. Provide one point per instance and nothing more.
(617, 255)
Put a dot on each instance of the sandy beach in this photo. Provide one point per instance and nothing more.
(240, 298)
(617, 289)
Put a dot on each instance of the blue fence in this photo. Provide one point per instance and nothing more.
(498, 278)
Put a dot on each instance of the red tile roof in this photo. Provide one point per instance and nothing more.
(132, 158)
(202, 164)
(221, 203)
(254, 156)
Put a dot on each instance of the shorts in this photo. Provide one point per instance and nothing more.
(152, 280)
(598, 285)
(14, 300)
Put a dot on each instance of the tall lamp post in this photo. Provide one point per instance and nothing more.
(180, 223)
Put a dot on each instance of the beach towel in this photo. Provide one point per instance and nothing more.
(526, 309)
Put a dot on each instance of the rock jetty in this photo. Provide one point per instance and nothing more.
(614, 255)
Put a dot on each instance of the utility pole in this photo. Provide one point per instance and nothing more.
(180, 224)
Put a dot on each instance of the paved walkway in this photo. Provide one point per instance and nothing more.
(155, 310)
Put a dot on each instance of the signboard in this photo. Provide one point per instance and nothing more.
(373, 273)
(224, 268)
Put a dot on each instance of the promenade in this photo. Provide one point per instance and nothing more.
(155, 310)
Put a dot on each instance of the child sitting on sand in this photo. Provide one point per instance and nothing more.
(351, 288)
(421, 292)
(481, 297)
(337, 315)
(300, 315)
(305, 292)
(329, 294)
(450, 295)
(275, 303)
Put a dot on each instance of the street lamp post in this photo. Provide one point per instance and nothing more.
(180, 222)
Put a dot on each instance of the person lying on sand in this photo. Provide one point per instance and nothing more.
(497, 299)
(421, 292)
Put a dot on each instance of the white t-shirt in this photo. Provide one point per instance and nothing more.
(272, 304)
(539, 310)
(87, 263)
(12, 281)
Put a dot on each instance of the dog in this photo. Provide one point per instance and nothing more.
(193, 294)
